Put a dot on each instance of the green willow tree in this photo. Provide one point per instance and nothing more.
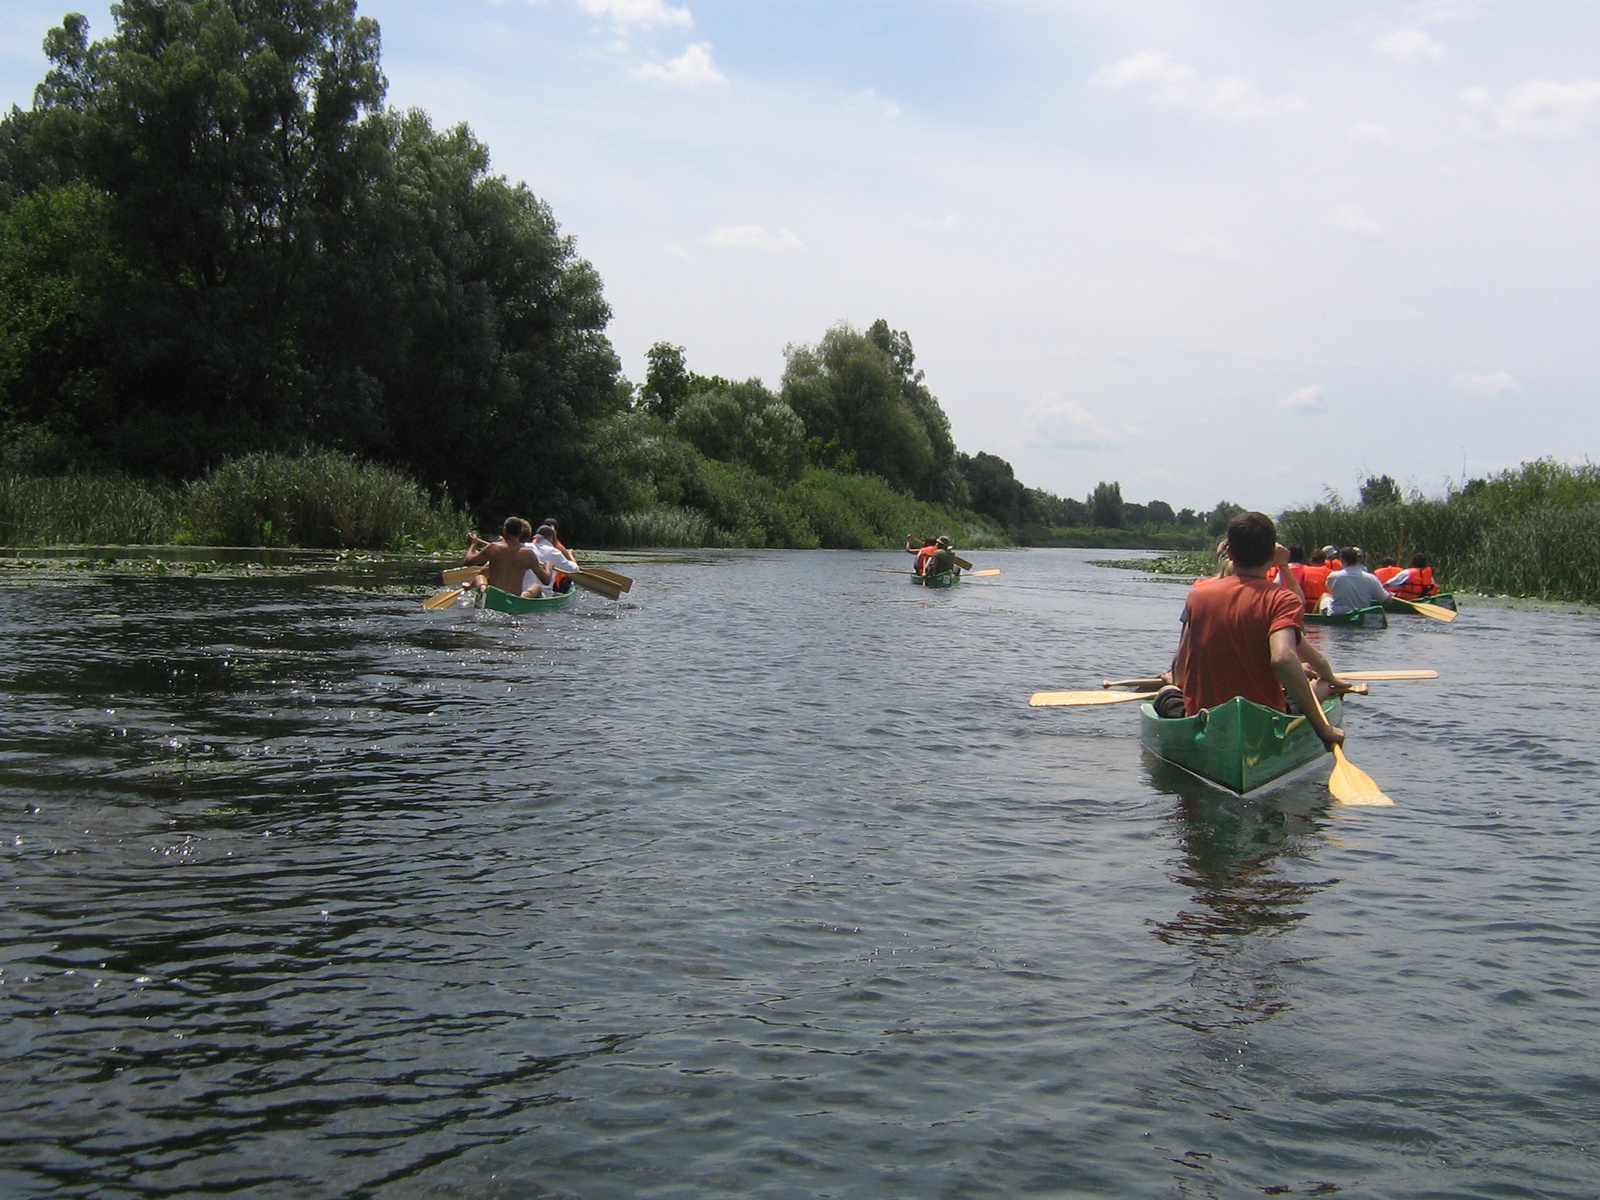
(273, 260)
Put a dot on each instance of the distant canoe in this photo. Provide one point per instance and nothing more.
(498, 601)
(1371, 617)
(1443, 600)
(1237, 745)
(937, 580)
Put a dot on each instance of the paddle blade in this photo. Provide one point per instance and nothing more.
(442, 599)
(460, 575)
(1070, 699)
(1437, 611)
(1349, 784)
(989, 571)
(962, 563)
(1388, 674)
(594, 583)
(622, 581)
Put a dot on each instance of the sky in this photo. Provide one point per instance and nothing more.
(1209, 249)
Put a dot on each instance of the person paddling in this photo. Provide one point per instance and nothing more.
(924, 550)
(1353, 586)
(553, 566)
(508, 559)
(1243, 636)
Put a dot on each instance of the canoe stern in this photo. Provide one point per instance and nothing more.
(1239, 745)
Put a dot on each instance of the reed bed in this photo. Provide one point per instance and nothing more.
(319, 499)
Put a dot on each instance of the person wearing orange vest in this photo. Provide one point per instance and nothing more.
(924, 552)
(1387, 570)
(1314, 579)
(1415, 582)
(561, 584)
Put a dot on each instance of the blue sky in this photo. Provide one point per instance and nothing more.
(1242, 250)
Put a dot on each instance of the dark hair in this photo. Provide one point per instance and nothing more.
(1419, 560)
(1349, 555)
(1296, 554)
(1318, 558)
(1252, 538)
(550, 521)
(547, 531)
(1390, 562)
(515, 527)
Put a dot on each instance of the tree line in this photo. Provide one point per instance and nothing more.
(216, 240)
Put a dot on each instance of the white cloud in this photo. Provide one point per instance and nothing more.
(887, 107)
(625, 14)
(750, 237)
(1495, 383)
(1544, 110)
(1409, 45)
(693, 68)
(1306, 400)
(1066, 425)
(1205, 246)
(1174, 86)
(1365, 131)
(1352, 220)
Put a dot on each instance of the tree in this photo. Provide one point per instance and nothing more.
(1105, 506)
(745, 423)
(994, 488)
(1379, 490)
(851, 390)
(1160, 513)
(1217, 521)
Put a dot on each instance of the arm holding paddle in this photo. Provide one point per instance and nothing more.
(1284, 644)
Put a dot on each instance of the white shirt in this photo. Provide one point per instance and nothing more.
(550, 556)
(1354, 587)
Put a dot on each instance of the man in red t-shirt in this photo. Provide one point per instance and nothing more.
(1242, 635)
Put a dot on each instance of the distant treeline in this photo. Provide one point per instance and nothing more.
(1533, 531)
(218, 245)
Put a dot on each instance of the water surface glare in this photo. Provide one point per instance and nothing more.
(768, 883)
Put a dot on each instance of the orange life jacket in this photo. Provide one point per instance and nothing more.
(1385, 574)
(1416, 585)
(1314, 582)
(923, 556)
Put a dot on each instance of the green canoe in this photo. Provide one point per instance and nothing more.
(493, 598)
(1371, 617)
(940, 579)
(1238, 745)
(1442, 599)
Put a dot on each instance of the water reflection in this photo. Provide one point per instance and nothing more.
(1231, 861)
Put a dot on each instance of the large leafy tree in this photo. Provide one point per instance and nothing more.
(287, 262)
(862, 392)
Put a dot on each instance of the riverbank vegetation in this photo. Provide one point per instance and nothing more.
(319, 499)
(1533, 531)
(219, 247)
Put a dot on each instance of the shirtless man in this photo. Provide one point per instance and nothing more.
(507, 558)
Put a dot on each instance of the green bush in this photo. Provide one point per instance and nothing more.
(99, 510)
(320, 499)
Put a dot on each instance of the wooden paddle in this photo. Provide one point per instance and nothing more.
(1154, 685)
(1069, 699)
(598, 584)
(988, 571)
(1437, 611)
(622, 581)
(461, 575)
(442, 599)
(1349, 784)
(962, 563)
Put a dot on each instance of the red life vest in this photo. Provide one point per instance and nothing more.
(1314, 581)
(1416, 585)
(923, 556)
(1385, 574)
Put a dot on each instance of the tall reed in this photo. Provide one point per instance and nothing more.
(85, 510)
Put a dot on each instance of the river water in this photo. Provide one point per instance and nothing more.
(767, 882)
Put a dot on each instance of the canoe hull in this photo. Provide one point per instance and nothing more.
(943, 579)
(495, 600)
(1371, 617)
(1239, 745)
(1443, 600)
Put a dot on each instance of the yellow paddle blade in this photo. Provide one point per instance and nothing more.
(1068, 699)
(460, 575)
(1437, 611)
(622, 581)
(591, 582)
(1351, 785)
(989, 571)
(1388, 674)
(442, 599)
